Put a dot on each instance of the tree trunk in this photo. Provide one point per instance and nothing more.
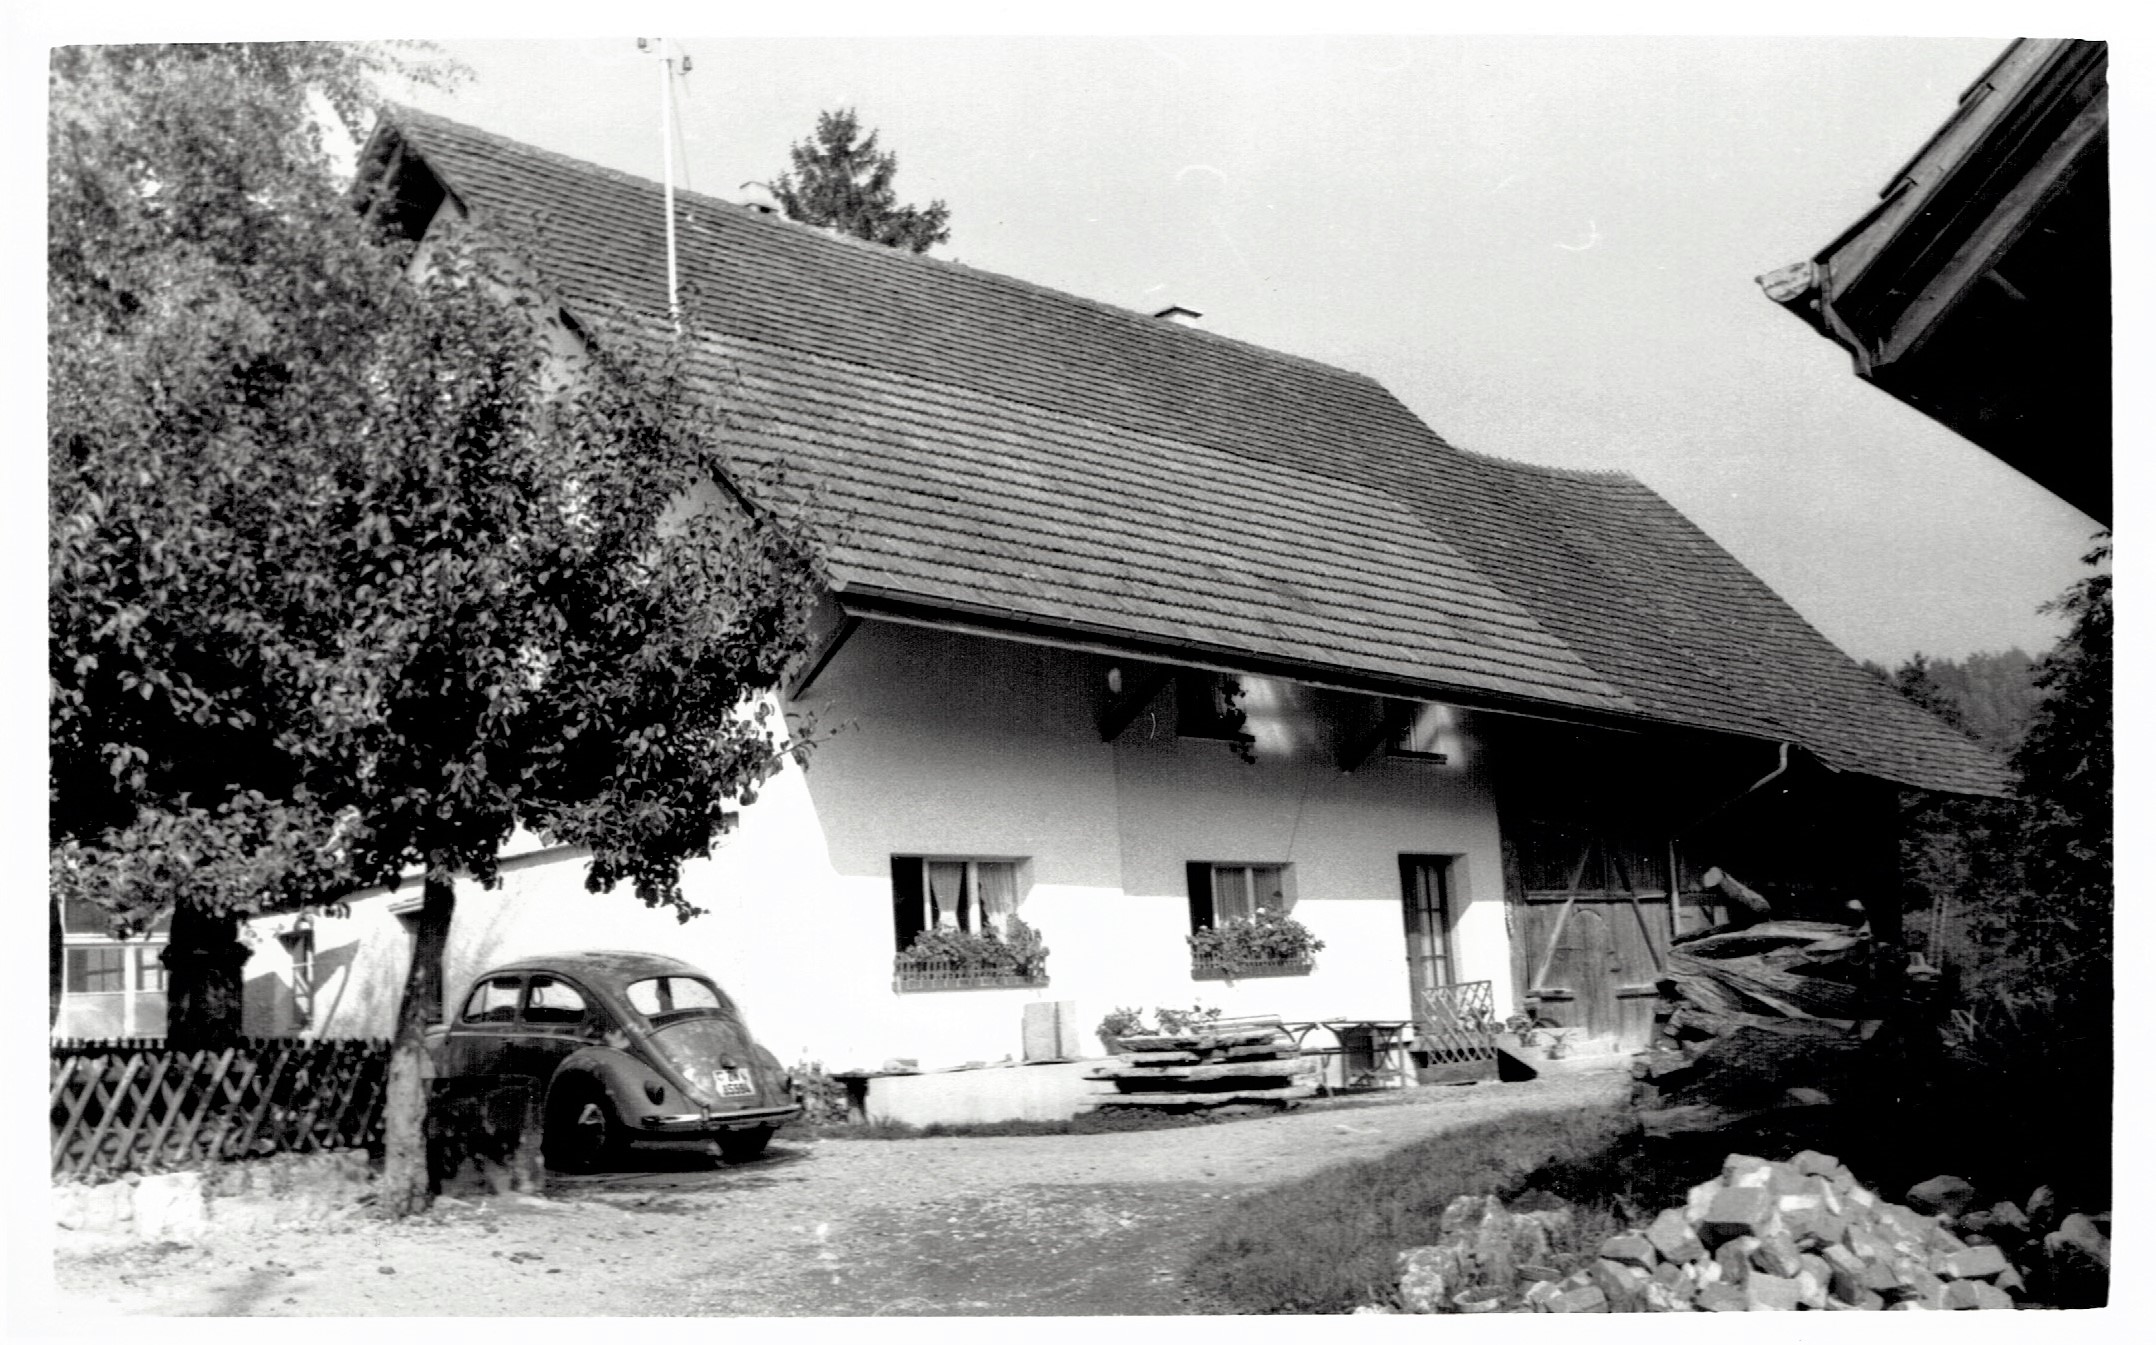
(58, 948)
(205, 965)
(404, 1189)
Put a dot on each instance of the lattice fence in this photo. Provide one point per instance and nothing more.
(134, 1105)
(1456, 1028)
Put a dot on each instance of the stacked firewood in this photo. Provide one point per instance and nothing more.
(1228, 1061)
(1749, 1012)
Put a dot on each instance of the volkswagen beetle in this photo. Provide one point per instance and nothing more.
(626, 1047)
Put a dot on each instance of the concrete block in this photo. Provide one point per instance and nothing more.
(1868, 1302)
(1745, 1170)
(1632, 1249)
(1970, 1263)
(1811, 1290)
(1964, 1295)
(2078, 1233)
(1673, 1239)
(1771, 1293)
(1813, 1163)
(1949, 1196)
(1425, 1276)
(1698, 1200)
(1734, 1257)
(1722, 1298)
(1586, 1298)
(169, 1207)
(1776, 1254)
(1623, 1286)
(1738, 1211)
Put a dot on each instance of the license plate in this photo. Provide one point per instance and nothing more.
(735, 1083)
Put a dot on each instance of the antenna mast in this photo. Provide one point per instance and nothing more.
(666, 151)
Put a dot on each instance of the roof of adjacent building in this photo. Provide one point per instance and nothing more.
(1007, 453)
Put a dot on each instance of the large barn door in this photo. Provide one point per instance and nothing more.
(1597, 931)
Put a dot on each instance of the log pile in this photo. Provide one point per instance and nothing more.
(1232, 1061)
(1747, 1013)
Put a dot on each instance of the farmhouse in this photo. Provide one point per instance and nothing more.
(1133, 630)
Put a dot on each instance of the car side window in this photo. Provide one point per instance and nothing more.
(554, 1001)
(493, 1000)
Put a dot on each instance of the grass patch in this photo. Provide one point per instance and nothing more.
(1327, 1243)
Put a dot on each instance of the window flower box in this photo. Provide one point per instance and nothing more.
(1219, 969)
(951, 974)
(956, 959)
(1268, 944)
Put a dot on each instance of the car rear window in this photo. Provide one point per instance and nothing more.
(659, 996)
(493, 1000)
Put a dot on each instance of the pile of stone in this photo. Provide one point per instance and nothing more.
(1764, 1236)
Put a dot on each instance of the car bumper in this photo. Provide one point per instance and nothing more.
(690, 1124)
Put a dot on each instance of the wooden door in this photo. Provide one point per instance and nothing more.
(1596, 933)
(1428, 910)
(1586, 967)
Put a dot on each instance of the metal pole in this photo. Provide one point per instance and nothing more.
(666, 144)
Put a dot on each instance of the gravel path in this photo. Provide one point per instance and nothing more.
(1054, 1225)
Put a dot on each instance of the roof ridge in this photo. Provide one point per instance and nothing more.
(1602, 475)
(1177, 331)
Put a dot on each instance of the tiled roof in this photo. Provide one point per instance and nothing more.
(997, 446)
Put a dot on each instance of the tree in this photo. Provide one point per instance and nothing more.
(841, 181)
(352, 572)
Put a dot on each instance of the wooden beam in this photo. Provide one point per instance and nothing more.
(1140, 689)
(1391, 718)
(829, 629)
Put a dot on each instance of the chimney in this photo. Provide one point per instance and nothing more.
(758, 197)
(1181, 316)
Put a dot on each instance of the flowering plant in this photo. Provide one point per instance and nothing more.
(1018, 952)
(1268, 937)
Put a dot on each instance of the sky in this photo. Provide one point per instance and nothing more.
(1545, 246)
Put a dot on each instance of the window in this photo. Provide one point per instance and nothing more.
(974, 895)
(674, 994)
(150, 967)
(1224, 892)
(553, 1000)
(494, 1000)
(97, 971)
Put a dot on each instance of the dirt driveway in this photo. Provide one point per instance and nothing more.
(1053, 1225)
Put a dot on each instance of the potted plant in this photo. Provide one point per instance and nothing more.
(1117, 1024)
(1268, 944)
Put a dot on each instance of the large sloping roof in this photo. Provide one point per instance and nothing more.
(1007, 451)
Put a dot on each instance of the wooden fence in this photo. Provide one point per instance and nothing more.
(135, 1105)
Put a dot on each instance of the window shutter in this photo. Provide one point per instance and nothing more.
(907, 903)
(1199, 876)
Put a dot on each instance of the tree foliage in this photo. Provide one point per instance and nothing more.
(841, 180)
(2021, 892)
(356, 566)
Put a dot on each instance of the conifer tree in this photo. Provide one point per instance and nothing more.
(841, 180)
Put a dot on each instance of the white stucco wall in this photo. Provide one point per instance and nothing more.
(950, 745)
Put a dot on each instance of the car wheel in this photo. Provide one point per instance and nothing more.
(582, 1132)
(739, 1146)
